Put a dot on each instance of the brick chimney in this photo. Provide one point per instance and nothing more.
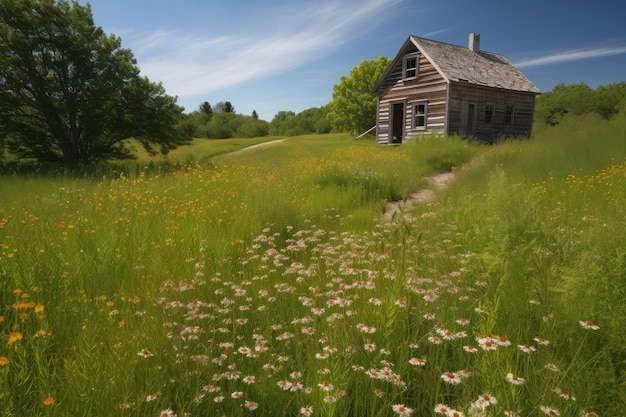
(474, 42)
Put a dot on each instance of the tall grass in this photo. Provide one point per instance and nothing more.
(264, 283)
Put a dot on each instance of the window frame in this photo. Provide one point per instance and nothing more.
(417, 115)
(509, 115)
(406, 68)
(489, 121)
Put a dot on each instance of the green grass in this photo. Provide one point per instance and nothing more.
(263, 282)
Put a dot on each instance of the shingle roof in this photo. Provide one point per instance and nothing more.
(460, 64)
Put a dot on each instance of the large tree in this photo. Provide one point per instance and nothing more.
(71, 93)
(353, 106)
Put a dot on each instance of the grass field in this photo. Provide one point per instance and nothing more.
(264, 282)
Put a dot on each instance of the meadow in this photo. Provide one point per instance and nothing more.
(266, 283)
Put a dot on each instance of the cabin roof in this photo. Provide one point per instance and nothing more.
(463, 65)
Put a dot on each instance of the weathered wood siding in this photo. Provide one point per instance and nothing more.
(429, 87)
(461, 95)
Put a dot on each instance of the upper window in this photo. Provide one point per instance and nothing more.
(419, 115)
(409, 66)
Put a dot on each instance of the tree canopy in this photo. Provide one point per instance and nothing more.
(578, 99)
(312, 120)
(71, 93)
(353, 106)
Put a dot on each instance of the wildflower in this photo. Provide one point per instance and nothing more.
(486, 343)
(151, 397)
(526, 348)
(218, 399)
(563, 394)
(369, 347)
(429, 316)
(454, 413)
(417, 361)
(236, 394)
(330, 399)
(470, 349)
(434, 340)
(306, 411)
(552, 367)
(167, 413)
(483, 402)
(4, 360)
(294, 386)
(249, 379)
(321, 355)
(465, 373)
(441, 409)
(588, 324)
(145, 353)
(48, 401)
(385, 351)
(451, 378)
(502, 341)
(379, 393)
(400, 303)
(326, 386)
(541, 341)
(14, 337)
(481, 310)
(514, 379)
(250, 405)
(401, 410)
(549, 410)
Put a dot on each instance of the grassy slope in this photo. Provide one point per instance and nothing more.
(541, 220)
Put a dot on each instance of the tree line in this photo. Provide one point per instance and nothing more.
(578, 99)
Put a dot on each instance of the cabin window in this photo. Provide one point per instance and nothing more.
(489, 114)
(509, 114)
(419, 115)
(409, 67)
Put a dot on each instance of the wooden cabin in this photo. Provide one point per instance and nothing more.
(439, 88)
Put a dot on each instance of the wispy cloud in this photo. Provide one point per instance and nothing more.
(571, 56)
(192, 64)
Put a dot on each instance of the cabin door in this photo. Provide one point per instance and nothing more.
(468, 120)
(397, 122)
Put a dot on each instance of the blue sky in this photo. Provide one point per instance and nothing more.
(273, 55)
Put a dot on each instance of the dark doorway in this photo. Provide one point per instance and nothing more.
(397, 122)
(469, 122)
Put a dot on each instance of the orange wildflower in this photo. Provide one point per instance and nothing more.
(48, 401)
(14, 337)
(4, 360)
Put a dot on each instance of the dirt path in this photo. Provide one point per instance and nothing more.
(439, 181)
(258, 145)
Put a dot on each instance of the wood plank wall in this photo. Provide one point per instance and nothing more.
(523, 109)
